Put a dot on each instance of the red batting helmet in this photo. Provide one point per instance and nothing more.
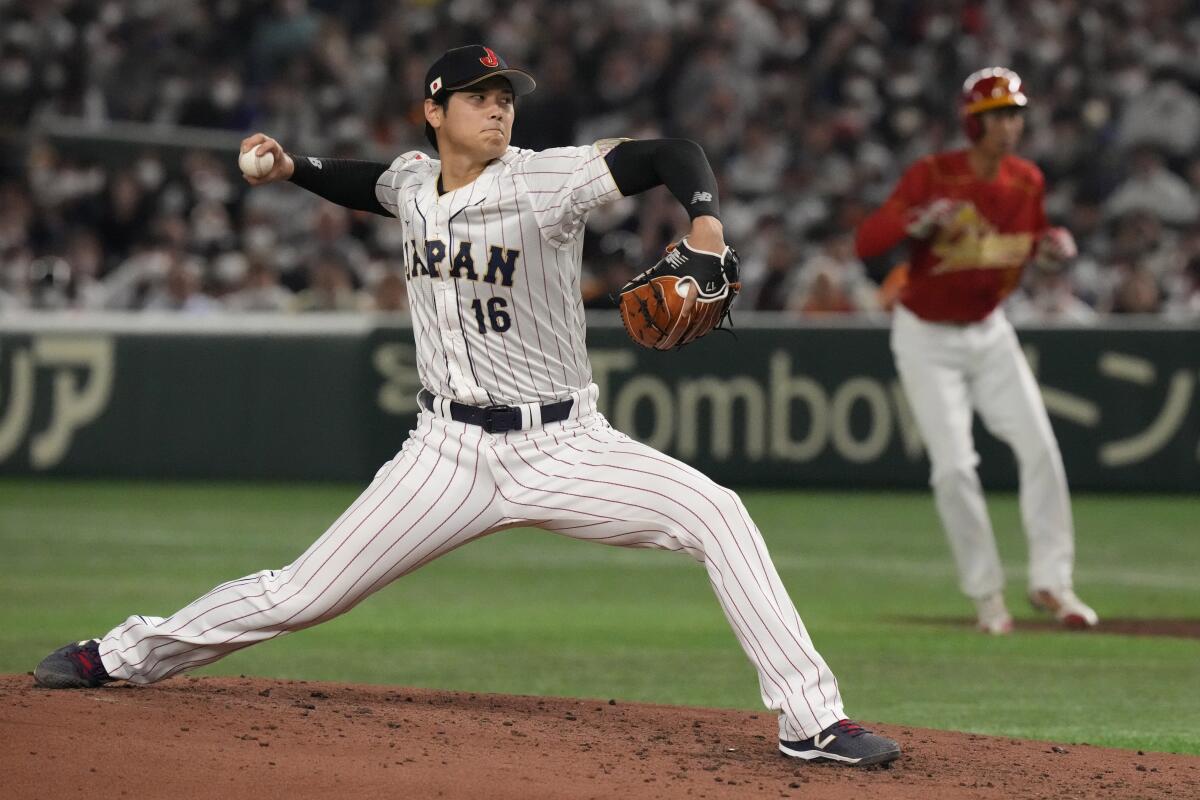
(994, 87)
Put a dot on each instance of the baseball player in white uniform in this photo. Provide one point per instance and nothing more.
(972, 219)
(508, 433)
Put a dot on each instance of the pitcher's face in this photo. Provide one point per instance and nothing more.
(476, 121)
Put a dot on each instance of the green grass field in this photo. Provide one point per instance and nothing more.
(531, 613)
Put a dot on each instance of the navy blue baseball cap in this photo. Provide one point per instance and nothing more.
(463, 66)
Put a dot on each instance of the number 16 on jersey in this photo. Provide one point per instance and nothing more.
(497, 318)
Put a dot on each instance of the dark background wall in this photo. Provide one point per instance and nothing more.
(786, 406)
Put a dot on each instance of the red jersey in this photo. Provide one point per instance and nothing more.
(968, 267)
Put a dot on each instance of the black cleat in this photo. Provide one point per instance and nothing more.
(73, 666)
(845, 742)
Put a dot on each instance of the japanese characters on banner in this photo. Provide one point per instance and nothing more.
(773, 406)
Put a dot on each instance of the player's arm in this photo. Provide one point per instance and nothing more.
(909, 212)
(681, 166)
(1054, 246)
(688, 293)
(344, 181)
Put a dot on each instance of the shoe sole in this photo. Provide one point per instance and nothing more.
(54, 679)
(64, 676)
(820, 755)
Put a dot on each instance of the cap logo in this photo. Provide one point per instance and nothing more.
(491, 59)
(436, 85)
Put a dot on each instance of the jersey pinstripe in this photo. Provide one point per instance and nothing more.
(493, 271)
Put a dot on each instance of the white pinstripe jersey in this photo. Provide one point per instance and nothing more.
(493, 271)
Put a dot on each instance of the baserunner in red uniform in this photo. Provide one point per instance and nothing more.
(972, 220)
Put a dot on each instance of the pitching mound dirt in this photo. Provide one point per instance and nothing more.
(233, 738)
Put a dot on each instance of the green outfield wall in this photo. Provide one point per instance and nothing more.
(333, 397)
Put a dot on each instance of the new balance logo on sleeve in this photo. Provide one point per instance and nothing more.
(701, 197)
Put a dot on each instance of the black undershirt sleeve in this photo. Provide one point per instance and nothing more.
(678, 164)
(344, 181)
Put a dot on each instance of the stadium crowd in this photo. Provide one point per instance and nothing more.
(808, 110)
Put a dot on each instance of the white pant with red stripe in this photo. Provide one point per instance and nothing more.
(452, 483)
(948, 373)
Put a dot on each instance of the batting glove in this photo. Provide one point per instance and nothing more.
(1054, 249)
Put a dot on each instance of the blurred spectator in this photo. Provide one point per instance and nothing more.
(1142, 238)
(616, 259)
(260, 290)
(9, 302)
(547, 118)
(769, 285)
(222, 106)
(390, 294)
(1151, 187)
(1136, 291)
(331, 287)
(16, 216)
(84, 291)
(125, 216)
(1048, 296)
(805, 109)
(15, 263)
(140, 275)
(833, 280)
(331, 232)
(763, 155)
(1185, 304)
(1165, 116)
(180, 291)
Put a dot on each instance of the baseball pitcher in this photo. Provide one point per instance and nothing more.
(508, 432)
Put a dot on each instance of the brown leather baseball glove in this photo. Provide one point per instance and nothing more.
(681, 298)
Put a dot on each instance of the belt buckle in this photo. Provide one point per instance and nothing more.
(501, 419)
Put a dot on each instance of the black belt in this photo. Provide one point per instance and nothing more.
(497, 419)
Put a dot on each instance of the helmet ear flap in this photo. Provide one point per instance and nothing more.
(973, 126)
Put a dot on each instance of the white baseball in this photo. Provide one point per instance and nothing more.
(256, 166)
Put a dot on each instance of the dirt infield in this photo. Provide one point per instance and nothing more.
(233, 738)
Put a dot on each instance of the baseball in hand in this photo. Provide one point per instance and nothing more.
(256, 166)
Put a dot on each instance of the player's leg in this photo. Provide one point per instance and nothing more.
(434, 496)
(1010, 404)
(929, 361)
(593, 483)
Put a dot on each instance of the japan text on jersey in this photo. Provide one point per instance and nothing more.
(493, 271)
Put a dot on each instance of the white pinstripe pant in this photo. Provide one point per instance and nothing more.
(452, 483)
